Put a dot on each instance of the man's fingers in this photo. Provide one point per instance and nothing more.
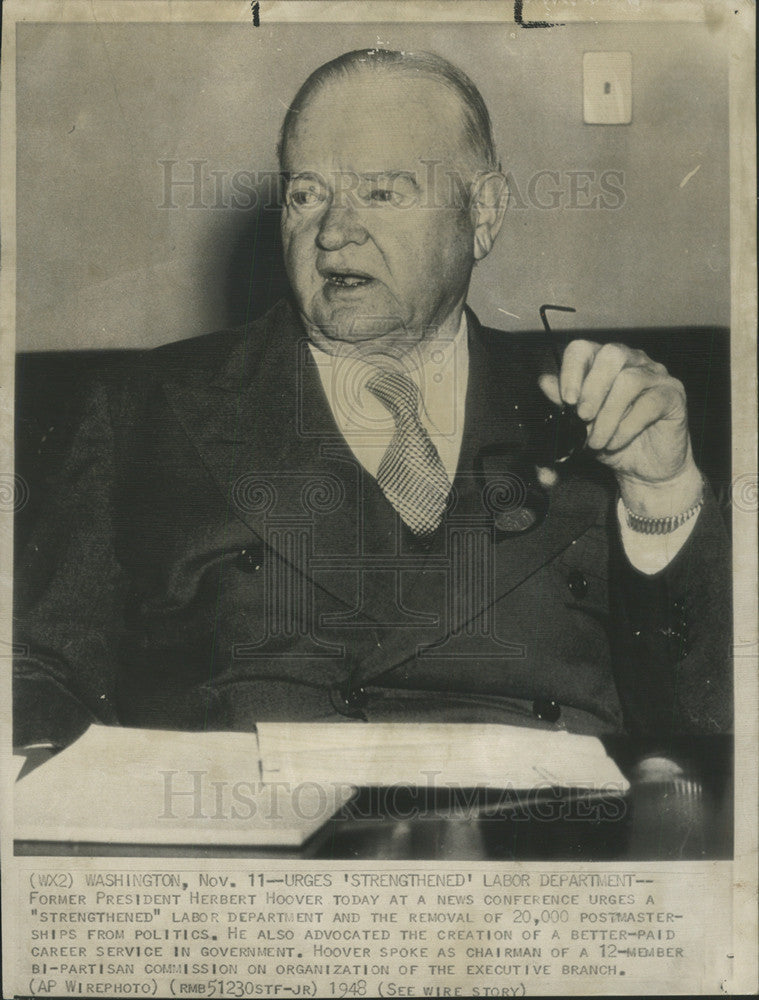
(627, 387)
(618, 390)
(607, 364)
(575, 365)
(645, 411)
(550, 386)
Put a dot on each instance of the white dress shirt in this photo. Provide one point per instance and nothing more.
(440, 370)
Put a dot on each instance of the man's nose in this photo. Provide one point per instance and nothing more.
(340, 225)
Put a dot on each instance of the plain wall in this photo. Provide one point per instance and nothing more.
(102, 264)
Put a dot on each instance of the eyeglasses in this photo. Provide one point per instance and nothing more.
(568, 433)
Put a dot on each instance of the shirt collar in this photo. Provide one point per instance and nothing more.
(439, 368)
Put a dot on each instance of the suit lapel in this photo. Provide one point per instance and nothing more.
(263, 428)
(264, 431)
(505, 422)
(505, 414)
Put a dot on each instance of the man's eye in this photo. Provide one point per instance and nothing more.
(398, 196)
(306, 197)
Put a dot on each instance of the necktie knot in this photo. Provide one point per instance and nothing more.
(397, 392)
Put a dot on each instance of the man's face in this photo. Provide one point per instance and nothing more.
(376, 241)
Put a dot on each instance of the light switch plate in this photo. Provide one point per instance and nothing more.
(607, 88)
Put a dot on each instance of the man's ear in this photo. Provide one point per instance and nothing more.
(490, 194)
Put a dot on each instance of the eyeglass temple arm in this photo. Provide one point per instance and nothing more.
(544, 309)
(544, 319)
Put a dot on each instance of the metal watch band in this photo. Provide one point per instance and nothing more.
(661, 525)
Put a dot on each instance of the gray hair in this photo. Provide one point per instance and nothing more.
(476, 120)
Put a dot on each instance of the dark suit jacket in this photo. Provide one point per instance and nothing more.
(213, 556)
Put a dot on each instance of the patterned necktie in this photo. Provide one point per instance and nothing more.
(411, 474)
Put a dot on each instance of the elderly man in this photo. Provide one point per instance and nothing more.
(352, 507)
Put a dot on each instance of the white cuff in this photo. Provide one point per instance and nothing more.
(650, 554)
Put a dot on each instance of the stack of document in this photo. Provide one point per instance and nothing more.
(279, 785)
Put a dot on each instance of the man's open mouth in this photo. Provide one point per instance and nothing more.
(347, 279)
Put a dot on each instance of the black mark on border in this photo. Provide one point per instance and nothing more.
(518, 18)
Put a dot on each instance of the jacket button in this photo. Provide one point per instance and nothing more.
(354, 697)
(250, 560)
(350, 701)
(546, 709)
(578, 585)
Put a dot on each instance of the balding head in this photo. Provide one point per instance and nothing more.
(456, 90)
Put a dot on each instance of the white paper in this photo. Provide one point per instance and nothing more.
(152, 786)
(457, 754)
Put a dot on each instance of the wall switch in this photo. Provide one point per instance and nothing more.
(607, 88)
